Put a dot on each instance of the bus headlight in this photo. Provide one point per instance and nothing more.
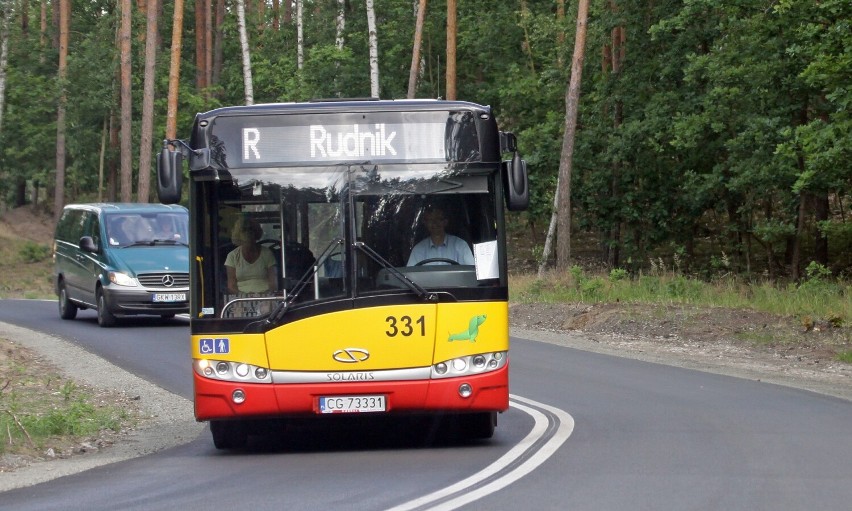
(479, 362)
(472, 364)
(231, 371)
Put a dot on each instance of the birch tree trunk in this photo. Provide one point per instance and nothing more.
(551, 230)
(341, 23)
(4, 58)
(451, 48)
(59, 191)
(572, 100)
(300, 37)
(174, 71)
(554, 216)
(415, 53)
(374, 50)
(241, 25)
(145, 147)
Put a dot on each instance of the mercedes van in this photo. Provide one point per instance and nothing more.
(122, 259)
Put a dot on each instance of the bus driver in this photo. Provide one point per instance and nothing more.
(439, 244)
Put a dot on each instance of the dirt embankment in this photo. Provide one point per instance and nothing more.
(738, 342)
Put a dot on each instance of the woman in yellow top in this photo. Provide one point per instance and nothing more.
(250, 266)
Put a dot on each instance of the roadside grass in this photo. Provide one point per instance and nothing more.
(817, 303)
(42, 410)
(816, 299)
(27, 271)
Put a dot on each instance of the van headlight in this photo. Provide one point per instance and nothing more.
(122, 279)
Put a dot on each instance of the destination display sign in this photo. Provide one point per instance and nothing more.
(332, 143)
(292, 139)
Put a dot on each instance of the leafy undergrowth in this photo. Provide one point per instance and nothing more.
(44, 415)
(25, 238)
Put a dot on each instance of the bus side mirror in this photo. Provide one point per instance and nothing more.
(516, 183)
(169, 175)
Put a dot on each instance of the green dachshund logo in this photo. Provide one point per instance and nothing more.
(471, 332)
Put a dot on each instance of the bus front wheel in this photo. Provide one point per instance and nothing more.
(228, 434)
(477, 425)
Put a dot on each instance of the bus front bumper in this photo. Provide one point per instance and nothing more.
(214, 399)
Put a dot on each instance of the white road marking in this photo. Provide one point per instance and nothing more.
(526, 447)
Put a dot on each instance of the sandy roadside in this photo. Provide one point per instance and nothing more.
(171, 420)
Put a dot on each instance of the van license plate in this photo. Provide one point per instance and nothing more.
(169, 297)
(352, 404)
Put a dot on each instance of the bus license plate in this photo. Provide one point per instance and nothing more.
(351, 404)
(169, 297)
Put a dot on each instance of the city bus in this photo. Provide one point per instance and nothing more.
(328, 199)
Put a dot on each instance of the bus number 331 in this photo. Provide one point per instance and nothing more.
(405, 326)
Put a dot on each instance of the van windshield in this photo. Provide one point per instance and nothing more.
(126, 229)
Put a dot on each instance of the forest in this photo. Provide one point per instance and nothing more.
(713, 135)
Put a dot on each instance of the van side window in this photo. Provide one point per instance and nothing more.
(70, 226)
(94, 230)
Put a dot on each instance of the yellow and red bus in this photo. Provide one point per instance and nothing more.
(334, 196)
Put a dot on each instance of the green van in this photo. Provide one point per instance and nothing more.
(122, 259)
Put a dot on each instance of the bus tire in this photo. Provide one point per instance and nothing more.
(67, 309)
(228, 434)
(478, 426)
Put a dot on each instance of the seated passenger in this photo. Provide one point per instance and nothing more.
(439, 244)
(250, 266)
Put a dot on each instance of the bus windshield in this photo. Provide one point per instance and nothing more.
(317, 234)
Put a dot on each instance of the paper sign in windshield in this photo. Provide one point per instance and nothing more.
(485, 256)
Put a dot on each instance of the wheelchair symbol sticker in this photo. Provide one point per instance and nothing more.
(214, 346)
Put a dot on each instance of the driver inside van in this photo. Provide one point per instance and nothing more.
(250, 266)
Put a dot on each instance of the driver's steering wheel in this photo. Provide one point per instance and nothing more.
(437, 260)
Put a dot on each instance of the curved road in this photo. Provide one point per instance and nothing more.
(645, 436)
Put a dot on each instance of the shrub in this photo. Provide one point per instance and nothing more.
(31, 252)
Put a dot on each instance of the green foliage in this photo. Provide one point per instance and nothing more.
(816, 298)
(721, 120)
(31, 252)
(617, 274)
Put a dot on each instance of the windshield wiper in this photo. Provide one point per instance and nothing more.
(284, 305)
(167, 241)
(151, 243)
(417, 288)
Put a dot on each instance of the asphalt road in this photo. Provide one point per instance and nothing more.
(641, 436)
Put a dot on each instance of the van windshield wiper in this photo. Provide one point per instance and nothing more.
(414, 286)
(168, 241)
(151, 243)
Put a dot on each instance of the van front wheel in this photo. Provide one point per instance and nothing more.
(67, 309)
(105, 317)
